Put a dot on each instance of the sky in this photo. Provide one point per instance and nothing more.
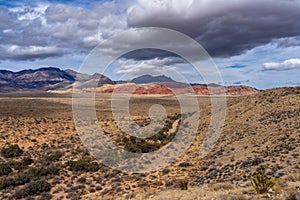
(252, 42)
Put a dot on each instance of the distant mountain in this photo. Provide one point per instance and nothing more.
(56, 80)
(151, 79)
(45, 79)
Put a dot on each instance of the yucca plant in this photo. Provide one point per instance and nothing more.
(261, 182)
(183, 185)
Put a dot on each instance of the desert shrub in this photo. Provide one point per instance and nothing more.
(5, 169)
(38, 172)
(261, 182)
(55, 156)
(11, 151)
(81, 180)
(183, 185)
(83, 165)
(24, 177)
(45, 196)
(33, 188)
(6, 182)
(13, 181)
(19, 165)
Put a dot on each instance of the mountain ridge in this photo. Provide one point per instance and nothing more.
(53, 79)
(44, 79)
(151, 79)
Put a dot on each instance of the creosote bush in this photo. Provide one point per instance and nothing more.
(55, 156)
(5, 169)
(19, 165)
(83, 165)
(11, 151)
(261, 182)
(34, 173)
(33, 188)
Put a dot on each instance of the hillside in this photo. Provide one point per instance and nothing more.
(44, 79)
(260, 130)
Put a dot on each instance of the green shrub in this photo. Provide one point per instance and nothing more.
(261, 182)
(19, 165)
(31, 174)
(38, 172)
(5, 169)
(33, 188)
(83, 165)
(6, 183)
(55, 156)
(13, 181)
(11, 151)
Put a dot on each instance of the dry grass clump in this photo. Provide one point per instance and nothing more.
(222, 186)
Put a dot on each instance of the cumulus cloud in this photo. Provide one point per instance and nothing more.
(68, 28)
(131, 67)
(282, 66)
(224, 28)
(31, 52)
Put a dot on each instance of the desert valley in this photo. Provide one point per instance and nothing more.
(149, 100)
(42, 156)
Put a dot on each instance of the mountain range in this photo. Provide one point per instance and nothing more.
(45, 79)
(61, 81)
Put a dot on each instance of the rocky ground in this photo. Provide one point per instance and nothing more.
(42, 156)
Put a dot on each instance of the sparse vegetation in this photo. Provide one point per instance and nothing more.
(183, 185)
(52, 151)
(34, 173)
(261, 182)
(32, 188)
(153, 143)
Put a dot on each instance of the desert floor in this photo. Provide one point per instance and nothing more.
(43, 156)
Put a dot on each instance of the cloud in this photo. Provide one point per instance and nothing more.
(283, 66)
(68, 28)
(224, 28)
(31, 52)
(288, 42)
(236, 66)
(130, 67)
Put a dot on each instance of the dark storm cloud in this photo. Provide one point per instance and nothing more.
(224, 28)
(147, 54)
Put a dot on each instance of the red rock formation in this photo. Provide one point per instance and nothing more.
(173, 88)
